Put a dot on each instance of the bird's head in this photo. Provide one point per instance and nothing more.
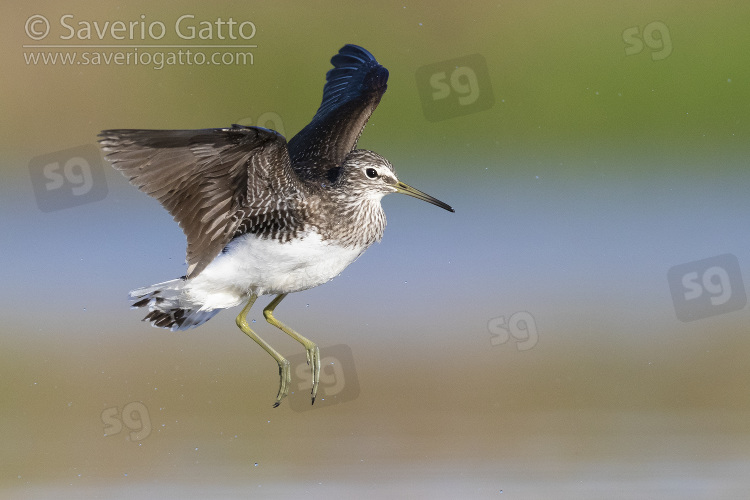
(372, 176)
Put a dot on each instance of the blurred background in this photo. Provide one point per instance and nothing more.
(577, 329)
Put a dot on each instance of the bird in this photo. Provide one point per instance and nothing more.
(263, 216)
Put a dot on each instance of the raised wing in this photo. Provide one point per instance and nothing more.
(352, 92)
(209, 180)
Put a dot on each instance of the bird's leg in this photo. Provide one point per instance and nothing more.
(284, 372)
(313, 353)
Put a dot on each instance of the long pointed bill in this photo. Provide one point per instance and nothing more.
(416, 193)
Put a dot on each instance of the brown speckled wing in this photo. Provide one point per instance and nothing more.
(210, 180)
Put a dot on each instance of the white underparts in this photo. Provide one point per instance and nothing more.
(253, 265)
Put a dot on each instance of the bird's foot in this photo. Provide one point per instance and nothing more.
(313, 359)
(285, 374)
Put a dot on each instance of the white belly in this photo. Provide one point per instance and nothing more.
(264, 266)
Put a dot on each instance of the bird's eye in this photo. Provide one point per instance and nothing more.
(371, 173)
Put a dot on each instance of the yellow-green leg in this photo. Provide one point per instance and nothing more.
(313, 353)
(284, 372)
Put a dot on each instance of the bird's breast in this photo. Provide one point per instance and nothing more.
(252, 264)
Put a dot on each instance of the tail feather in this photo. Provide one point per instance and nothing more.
(168, 307)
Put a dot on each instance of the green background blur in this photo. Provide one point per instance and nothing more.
(589, 176)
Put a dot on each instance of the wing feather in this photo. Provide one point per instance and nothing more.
(209, 180)
(352, 91)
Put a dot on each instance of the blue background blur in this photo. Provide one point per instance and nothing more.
(601, 145)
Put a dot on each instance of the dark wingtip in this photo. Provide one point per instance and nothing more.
(351, 49)
(352, 58)
(376, 79)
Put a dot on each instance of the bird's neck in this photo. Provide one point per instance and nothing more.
(360, 223)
